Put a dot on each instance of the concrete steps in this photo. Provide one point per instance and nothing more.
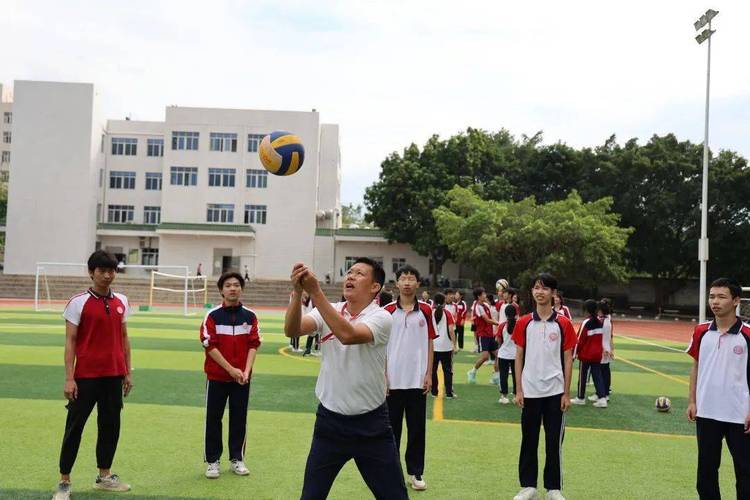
(61, 288)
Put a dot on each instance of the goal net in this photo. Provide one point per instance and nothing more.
(165, 288)
(56, 282)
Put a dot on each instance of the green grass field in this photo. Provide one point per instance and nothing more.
(626, 451)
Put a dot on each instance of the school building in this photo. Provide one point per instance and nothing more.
(184, 191)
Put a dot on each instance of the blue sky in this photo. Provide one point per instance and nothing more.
(395, 72)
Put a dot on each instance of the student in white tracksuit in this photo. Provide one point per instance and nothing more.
(506, 355)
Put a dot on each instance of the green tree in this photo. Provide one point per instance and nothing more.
(352, 214)
(578, 242)
(414, 183)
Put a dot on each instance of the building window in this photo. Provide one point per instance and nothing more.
(185, 140)
(7, 117)
(218, 212)
(223, 177)
(257, 178)
(255, 214)
(154, 147)
(98, 212)
(151, 215)
(153, 181)
(120, 214)
(124, 146)
(6, 137)
(121, 180)
(253, 141)
(223, 142)
(150, 257)
(184, 176)
(398, 264)
(6, 157)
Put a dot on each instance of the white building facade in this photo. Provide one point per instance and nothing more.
(187, 191)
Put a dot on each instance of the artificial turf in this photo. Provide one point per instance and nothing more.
(625, 451)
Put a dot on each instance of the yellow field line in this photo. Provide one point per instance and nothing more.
(283, 352)
(582, 429)
(437, 406)
(656, 372)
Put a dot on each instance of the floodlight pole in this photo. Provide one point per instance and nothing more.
(703, 242)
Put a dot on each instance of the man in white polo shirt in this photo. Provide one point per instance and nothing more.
(409, 370)
(719, 399)
(352, 418)
(544, 365)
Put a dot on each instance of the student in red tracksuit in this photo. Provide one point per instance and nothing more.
(589, 352)
(560, 307)
(229, 335)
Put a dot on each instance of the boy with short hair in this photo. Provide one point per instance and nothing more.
(97, 371)
(461, 310)
(719, 398)
(409, 370)
(544, 363)
(229, 335)
(590, 351)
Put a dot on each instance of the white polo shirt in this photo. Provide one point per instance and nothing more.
(722, 391)
(408, 346)
(508, 347)
(352, 377)
(544, 342)
(443, 341)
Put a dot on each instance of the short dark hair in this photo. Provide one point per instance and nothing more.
(385, 298)
(545, 279)
(102, 259)
(605, 307)
(460, 292)
(478, 291)
(228, 275)
(378, 274)
(734, 288)
(407, 269)
(590, 306)
(512, 292)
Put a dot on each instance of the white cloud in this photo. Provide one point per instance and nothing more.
(395, 72)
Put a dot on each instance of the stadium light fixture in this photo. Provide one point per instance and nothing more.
(705, 19)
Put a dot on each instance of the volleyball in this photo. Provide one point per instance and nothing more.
(663, 404)
(281, 153)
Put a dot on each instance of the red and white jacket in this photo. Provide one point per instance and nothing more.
(233, 330)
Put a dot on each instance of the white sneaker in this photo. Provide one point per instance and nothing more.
(555, 495)
(62, 492)
(212, 470)
(527, 494)
(503, 400)
(495, 378)
(578, 401)
(417, 483)
(593, 397)
(238, 467)
(601, 403)
(110, 483)
(472, 374)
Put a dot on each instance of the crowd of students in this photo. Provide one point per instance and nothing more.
(379, 360)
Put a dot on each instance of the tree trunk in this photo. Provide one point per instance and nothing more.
(437, 268)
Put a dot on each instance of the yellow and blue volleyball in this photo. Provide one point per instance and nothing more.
(281, 153)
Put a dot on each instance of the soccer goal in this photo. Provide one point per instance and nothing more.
(56, 282)
(193, 289)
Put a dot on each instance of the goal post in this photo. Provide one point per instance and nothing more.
(187, 287)
(56, 282)
(743, 309)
